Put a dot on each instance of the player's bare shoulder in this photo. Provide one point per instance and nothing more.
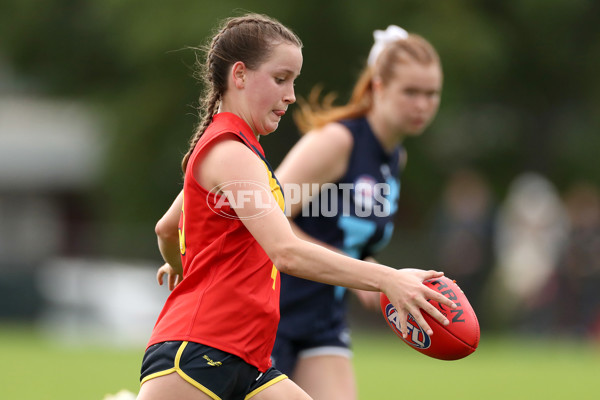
(332, 144)
(227, 159)
(336, 135)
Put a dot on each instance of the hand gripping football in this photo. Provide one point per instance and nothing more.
(456, 340)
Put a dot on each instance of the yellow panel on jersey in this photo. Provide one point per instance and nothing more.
(275, 187)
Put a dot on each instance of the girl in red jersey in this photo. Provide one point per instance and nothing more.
(214, 336)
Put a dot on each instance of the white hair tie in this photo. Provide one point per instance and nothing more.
(382, 38)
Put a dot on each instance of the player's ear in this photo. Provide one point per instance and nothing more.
(238, 74)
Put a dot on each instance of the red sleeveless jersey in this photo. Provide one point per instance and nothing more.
(229, 295)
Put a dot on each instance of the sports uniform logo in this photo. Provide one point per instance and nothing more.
(365, 193)
(417, 337)
(211, 362)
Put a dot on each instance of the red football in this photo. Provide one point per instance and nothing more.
(456, 340)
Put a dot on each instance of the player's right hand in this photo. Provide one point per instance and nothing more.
(173, 277)
(409, 295)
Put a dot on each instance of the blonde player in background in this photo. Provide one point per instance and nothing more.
(358, 147)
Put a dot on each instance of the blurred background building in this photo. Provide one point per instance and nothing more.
(50, 152)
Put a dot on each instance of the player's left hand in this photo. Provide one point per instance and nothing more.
(173, 277)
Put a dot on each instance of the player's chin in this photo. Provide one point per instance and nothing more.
(416, 129)
(266, 132)
(269, 127)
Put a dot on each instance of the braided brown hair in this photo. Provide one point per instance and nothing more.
(314, 114)
(249, 39)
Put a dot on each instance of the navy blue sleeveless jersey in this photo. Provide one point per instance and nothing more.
(355, 215)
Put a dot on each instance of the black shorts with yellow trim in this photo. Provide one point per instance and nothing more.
(221, 375)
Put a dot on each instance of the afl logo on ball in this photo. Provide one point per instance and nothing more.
(417, 337)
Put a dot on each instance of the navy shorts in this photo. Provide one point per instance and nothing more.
(334, 340)
(219, 374)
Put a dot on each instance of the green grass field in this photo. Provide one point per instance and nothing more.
(502, 368)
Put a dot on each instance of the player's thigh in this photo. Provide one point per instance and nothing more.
(328, 377)
(284, 389)
(171, 386)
